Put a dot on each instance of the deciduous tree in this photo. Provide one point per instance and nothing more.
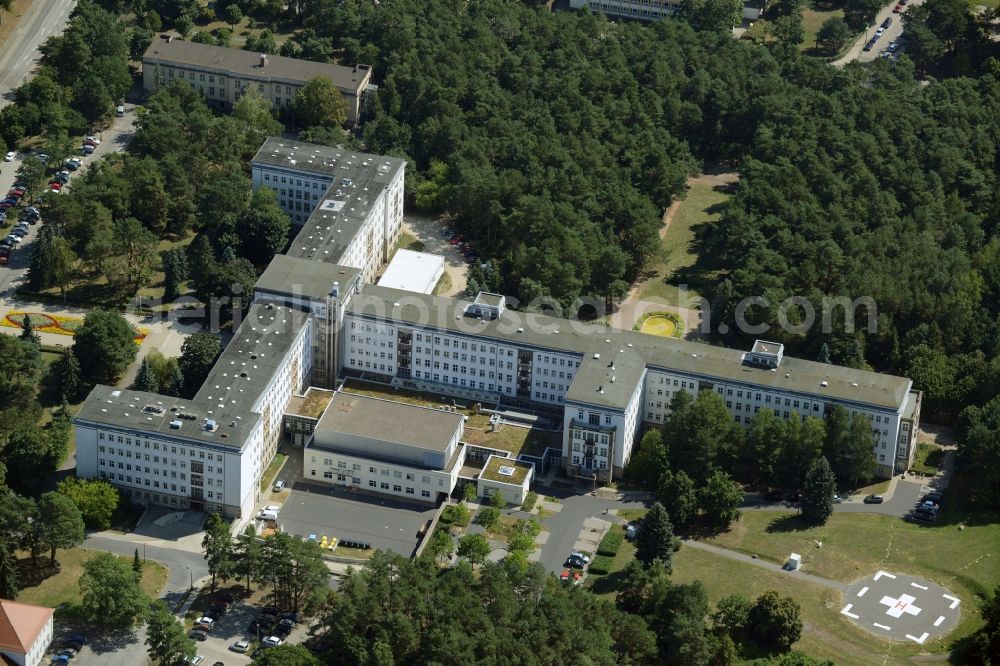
(168, 643)
(319, 103)
(97, 500)
(111, 594)
(104, 346)
(60, 521)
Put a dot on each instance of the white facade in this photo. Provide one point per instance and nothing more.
(644, 10)
(34, 654)
(298, 191)
(388, 478)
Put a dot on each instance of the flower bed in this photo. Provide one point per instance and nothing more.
(56, 324)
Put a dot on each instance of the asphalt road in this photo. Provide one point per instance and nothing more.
(892, 34)
(19, 55)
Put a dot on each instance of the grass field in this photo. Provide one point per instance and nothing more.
(854, 545)
(812, 21)
(826, 634)
(444, 284)
(928, 458)
(267, 478)
(64, 587)
(701, 206)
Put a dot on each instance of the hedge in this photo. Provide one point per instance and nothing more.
(601, 565)
(529, 501)
(610, 544)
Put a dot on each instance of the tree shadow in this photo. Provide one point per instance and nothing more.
(33, 575)
(788, 524)
(612, 582)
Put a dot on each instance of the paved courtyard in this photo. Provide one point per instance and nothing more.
(385, 523)
(901, 607)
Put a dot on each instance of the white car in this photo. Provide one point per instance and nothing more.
(9, 156)
(240, 646)
(195, 660)
(92, 138)
(271, 641)
(206, 621)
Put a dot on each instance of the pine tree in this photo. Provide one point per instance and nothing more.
(655, 539)
(175, 380)
(8, 573)
(69, 375)
(137, 565)
(28, 331)
(145, 379)
(817, 493)
(824, 354)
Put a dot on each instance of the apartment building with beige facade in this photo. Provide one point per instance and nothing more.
(223, 75)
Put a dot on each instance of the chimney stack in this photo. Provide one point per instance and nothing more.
(263, 60)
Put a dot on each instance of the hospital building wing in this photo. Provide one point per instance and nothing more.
(317, 319)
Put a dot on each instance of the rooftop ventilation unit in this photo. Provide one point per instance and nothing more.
(175, 425)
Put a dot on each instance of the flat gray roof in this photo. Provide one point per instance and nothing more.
(250, 360)
(390, 421)
(608, 381)
(293, 276)
(343, 208)
(696, 359)
(246, 64)
(153, 413)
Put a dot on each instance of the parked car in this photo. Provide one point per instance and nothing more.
(198, 634)
(271, 641)
(886, 23)
(90, 142)
(240, 646)
(207, 628)
(874, 499)
(922, 517)
(292, 617)
(56, 185)
(9, 157)
(837, 499)
(60, 659)
(69, 652)
(282, 631)
(205, 620)
(92, 139)
(195, 660)
(897, 9)
(278, 486)
(893, 47)
(932, 497)
(575, 563)
(18, 191)
(928, 506)
(869, 45)
(43, 158)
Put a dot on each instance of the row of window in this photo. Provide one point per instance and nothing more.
(591, 463)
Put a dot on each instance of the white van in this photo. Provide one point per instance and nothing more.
(120, 110)
(267, 515)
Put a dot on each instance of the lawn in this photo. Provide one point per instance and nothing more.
(64, 586)
(267, 478)
(812, 20)
(444, 284)
(927, 459)
(409, 242)
(662, 324)
(856, 544)
(826, 633)
(701, 206)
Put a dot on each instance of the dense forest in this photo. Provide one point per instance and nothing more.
(557, 139)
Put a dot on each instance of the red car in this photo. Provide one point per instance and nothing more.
(90, 142)
(15, 192)
(55, 185)
(897, 9)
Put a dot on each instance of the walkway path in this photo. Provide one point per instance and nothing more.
(633, 307)
(770, 566)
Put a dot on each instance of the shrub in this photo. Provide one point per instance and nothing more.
(529, 501)
(610, 544)
(457, 514)
(488, 517)
(600, 565)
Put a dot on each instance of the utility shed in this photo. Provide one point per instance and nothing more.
(413, 271)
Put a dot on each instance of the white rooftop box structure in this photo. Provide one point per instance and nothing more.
(413, 271)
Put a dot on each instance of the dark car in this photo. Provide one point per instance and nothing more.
(874, 499)
(932, 497)
(886, 23)
(259, 624)
(575, 563)
(198, 635)
(292, 617)
(269, 610)
(922, 517)
(869, 45)
(282, 631)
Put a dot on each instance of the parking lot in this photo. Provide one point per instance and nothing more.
(384, 523)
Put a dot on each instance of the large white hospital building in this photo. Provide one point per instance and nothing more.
(317, 318)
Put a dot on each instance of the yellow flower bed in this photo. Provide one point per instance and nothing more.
(56, 324)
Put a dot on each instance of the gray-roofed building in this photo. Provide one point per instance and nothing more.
(545, 362)
(346, 205)
(207, 452)
(223, 75)
(387, 447)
